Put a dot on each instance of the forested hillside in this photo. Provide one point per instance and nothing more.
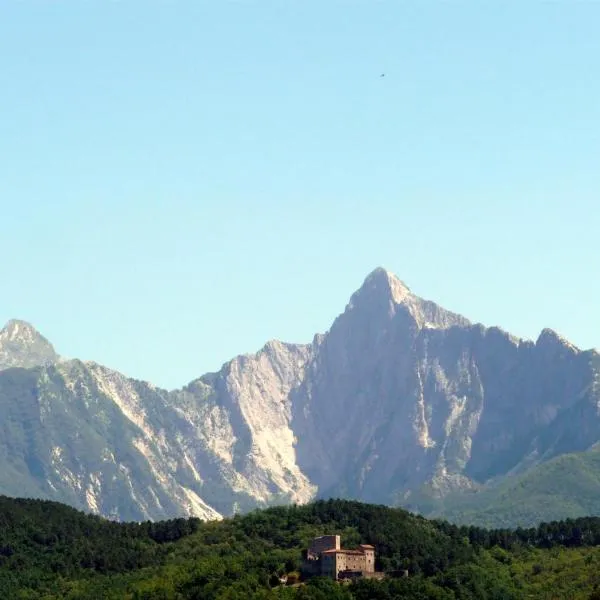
(50, 551)
(567, 486)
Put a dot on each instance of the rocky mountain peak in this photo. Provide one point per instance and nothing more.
(21, 345)
(400, 401)
(553, 341)
(18, 329)
(379, 296)
(383, 284)
(383, 295)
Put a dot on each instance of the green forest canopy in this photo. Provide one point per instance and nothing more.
(48, 550)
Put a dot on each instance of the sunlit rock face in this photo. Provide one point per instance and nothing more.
(399, 396)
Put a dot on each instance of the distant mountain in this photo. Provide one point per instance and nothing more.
(401, 402)
(22, 346)
(79, 433)
(401, 393)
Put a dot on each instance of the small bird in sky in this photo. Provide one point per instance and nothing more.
(382, 75)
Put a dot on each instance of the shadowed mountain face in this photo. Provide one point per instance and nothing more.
(401, 393)
(400, 402)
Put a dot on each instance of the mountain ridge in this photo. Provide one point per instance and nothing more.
(399, 292)
(398, 394)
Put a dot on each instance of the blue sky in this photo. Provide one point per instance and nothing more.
(182, 181)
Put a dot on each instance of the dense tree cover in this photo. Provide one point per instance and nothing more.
(566, 486)
(50, 551)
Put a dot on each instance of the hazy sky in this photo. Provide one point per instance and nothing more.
(182, 181)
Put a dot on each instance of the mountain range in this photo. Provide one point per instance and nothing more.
(401, 402)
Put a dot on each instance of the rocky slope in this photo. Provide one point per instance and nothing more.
(22, 346)
(402, 394)
(400, 402)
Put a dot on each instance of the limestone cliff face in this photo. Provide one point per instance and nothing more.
(242, 416)
(401, 393)
(361, 416)
(90, 437)
(399, 396)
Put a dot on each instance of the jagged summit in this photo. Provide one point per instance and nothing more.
(385, 281)
(382, 273)
(380, 289)
(382, 293)
(22, 345)
(552, 339)
(15, 328)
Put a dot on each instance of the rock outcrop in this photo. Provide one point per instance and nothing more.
(22, 346)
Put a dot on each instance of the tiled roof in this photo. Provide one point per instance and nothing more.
(343, 551)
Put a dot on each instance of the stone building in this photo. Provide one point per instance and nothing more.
(326, 557)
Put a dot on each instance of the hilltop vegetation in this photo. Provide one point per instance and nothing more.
(50, 551)
(567, 486)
